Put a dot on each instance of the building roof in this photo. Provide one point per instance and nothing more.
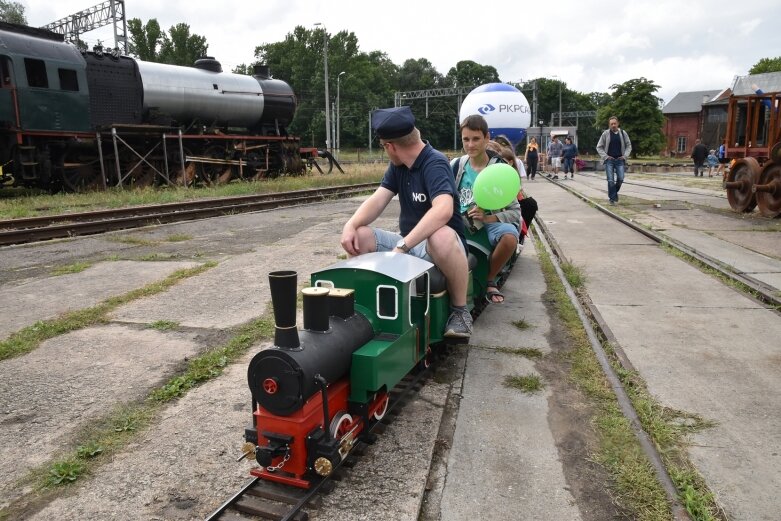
(769, 82)
(689, 102)
(722, 98)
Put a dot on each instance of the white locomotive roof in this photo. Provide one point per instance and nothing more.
(398, 266)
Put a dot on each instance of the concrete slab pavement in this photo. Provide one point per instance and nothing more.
(760, 267)
(504, 462)
(48, 393)
(701, 347)
(41, 299)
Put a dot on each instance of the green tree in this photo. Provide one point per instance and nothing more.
(468, 73)
(298, 60)
(435, 117)
(12, 12)
(639, 111)
(369, 82)
(144, 39)
(179, 47)
(243, 68)
(766, 65)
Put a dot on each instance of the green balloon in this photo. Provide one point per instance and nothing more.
(496, 186)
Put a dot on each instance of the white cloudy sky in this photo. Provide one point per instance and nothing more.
(682, 45)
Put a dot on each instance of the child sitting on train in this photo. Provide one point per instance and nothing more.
(501, 226)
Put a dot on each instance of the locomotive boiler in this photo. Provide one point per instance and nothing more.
(72, 120)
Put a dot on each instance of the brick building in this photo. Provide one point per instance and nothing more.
(685, 120)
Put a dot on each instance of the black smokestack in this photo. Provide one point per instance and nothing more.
(316, 309)
(283, 286)
(262, 71)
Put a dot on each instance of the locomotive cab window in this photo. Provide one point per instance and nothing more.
(36, 73)
(387, 302)
(5, 75)
(68, 79)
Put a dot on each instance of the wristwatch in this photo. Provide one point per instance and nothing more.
(402, 246)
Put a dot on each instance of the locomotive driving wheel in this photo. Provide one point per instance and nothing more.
(341, 424)
(82, 177)
(182, 176)
(427, 359)
(768, 190)
(341, 427)
(212, 174)
(740, 182)
(143, 176)
(383, 400)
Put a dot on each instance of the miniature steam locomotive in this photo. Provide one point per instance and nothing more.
(368, 322)
(71, 120)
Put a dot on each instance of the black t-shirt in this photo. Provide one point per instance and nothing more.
(429, 177)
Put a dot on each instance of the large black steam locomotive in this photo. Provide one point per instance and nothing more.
(72, 120)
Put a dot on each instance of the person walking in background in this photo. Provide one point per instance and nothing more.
(713, 162)
(532, 157)
(568, 154)
(699, 154)
(722, 156)
(614, 147)
(554, 153)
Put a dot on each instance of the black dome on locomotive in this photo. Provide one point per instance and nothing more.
(208, 63)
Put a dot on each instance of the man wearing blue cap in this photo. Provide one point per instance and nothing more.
(430, 223)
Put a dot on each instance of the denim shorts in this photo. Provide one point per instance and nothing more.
(496, 230)
(386, 241)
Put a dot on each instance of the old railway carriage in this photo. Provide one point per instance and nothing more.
(72, 120)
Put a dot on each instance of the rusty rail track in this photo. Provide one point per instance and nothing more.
(20, 231)
(260, 499)
(759, 290)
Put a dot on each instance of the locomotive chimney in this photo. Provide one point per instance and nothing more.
(262, 72)
(316, 309)
(283, 299)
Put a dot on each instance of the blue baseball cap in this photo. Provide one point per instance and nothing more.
(393, 123)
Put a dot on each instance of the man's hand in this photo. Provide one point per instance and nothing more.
(349, 239)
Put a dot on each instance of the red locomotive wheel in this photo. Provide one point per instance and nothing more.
(428, 358)
(383, 400)
(341, 424)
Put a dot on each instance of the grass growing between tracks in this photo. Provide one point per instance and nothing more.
(32, 205)
(98, 442)
(634, 485)
(31, 337)
(76, 267)
(529, 384)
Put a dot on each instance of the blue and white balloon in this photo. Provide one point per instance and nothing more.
(504, 108)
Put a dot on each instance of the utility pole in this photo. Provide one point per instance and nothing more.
(328, 144)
